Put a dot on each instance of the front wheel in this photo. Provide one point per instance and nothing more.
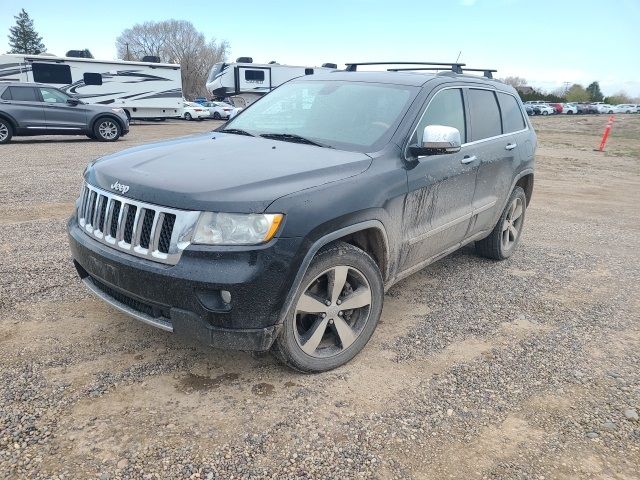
(505, 236)
(187, 116)
(107, 130)
(569, 112)
(335, 311)
(545, 112)
(217, 116)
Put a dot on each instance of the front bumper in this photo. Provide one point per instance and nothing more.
(187, 298)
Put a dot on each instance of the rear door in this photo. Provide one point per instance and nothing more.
(23, 103)
(440, 187)
(60, 115)
(499, 134)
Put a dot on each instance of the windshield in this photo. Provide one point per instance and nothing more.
(346, 115)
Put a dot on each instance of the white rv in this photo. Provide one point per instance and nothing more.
(142, 89)
(244, 81)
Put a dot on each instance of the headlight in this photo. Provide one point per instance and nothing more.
(117, 110)
(236, 228)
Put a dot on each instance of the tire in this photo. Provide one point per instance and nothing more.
(494, 246)
(6, 131)
(297, 346)
(106, 129)
(569, 112)
(187, 117)
(217, 116)
(544, 112)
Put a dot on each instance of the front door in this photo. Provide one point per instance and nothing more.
(59, 114)
(438, 205)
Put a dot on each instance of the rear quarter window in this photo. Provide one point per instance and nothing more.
(24, 94)
(6, 95)
(512, 119)
(484, 114)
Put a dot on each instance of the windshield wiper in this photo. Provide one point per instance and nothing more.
(237, 131)
(292, 137)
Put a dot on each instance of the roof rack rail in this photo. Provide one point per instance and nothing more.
(486, 72)
(455, 67)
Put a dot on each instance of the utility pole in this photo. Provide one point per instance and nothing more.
(128, 55)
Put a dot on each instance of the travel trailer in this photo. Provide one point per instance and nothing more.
(142, 89)
(244, 81)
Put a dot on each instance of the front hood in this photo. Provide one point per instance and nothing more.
(222, 172)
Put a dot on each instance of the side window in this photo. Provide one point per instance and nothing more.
(24, 94)
(446, 108)
(512, 119)
(51, 95)
(6, 95)
(484, 114)
(254, 75)
(51, 73)
(92, 79)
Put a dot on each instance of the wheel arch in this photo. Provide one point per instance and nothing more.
(92, 125)
(369, 235)
(525, 181)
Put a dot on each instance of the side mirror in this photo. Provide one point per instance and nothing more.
(437, 140)
(73, 101)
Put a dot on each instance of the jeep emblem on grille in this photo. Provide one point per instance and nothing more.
(120, 187)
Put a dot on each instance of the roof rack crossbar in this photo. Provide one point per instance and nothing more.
(455, 67)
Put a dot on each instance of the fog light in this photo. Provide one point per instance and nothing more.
(226, 296)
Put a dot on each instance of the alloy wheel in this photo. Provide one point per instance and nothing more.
(512, 224)
(332, 311)
(4, 132)
(108, 130)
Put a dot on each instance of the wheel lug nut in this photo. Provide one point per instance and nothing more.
(327, 302)
(338, 302)
(323, 315)
(340, 313)
(330, 322)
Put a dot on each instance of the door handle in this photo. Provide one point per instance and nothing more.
(511, 146)
(468, 159)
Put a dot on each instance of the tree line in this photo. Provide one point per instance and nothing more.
(574, 93)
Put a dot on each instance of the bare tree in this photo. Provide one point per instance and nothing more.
(174, 41)
(515, 82)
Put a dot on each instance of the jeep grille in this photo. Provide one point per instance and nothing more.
(141, 229)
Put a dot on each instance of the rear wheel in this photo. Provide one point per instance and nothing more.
(335, 311)
(505, 236)
(544, 112)
(107, 130)
(6, 131)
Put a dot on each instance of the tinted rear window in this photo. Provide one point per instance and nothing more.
(6, 95)
(511, 114)
(484, 113)
(51, 73)
(24, 94)
(254, 75)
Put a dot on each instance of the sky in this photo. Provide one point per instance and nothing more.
(546, 42)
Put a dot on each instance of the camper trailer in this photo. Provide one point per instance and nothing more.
(244, 81)
(142, 89)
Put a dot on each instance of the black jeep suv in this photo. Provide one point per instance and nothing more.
(281, 230)
(28, 109)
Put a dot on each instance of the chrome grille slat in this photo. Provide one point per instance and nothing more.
(166, 232)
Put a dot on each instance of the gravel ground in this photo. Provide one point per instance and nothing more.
(524, 369)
